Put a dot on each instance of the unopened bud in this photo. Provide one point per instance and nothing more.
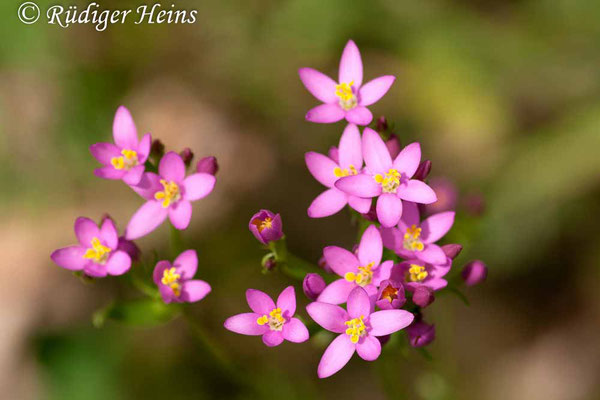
(452, 250)
(420, 334)
(157, 149)
(208, 165)
(381, 124)
(312, 285)
(187, 156)
(474, 273)
(393, 145)
(423, 170)
(423, 296)
(266, 226)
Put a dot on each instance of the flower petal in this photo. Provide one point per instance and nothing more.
(186, 264)
(336, 292)
(361, 185)
(143, 149)
(410, 216)
(124, 131)
(318, 84)
(259, 302)
(375, 89)
(392, 238)
(159, 270)
(389, 209)
(147, 218)
(86, 230)
(198, 186)
(245, 324)
(321, 167)
(340, 260)
(358, 303)
(376, 154)
(408, 160)
(104, 152)
(359, 115)
(194, 290)
(351, 68)
(70, 258)
(287, 301)
(272, 338)
(295, 331)
(370, 247)
(108, 233)
(118, 263)
(329, 316)
(359, 204)
(134, 175)
(432, 254)
(417, 191)
(109, 172)
(327, 203)
(386, 322)
(180, 214)
(369, 348)
(172, 167)
(350, 149)
(336, 356)
(148, 185)
(383, 272)
(94, 270)
(325, 113)
(436, 226)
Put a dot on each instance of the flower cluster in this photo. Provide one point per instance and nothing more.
(168, 193)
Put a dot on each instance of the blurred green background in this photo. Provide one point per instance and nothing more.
(504, 97)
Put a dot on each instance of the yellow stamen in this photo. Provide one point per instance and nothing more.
(340, 173)
(412, 241)
(171, 279)
(389, 293)
(169, 195)
(347, 97)
(275, 320)
(390, 181)
(262, 224)
(416, 273)
(127, 161)
(363, 277)
(356, 329)
(98, 252)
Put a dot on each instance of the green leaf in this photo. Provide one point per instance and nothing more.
(145, 312)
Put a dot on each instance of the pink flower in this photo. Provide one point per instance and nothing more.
(358, 329)
(266, 226)
(347, 98)
(175, 281)
(390, 295)
(274, 322)
(169, 194)
(125, 159)
(328, 170)
(97, 254)
(389, 180)
(415, 239)
(416, 273)
(362, 270)
(420, 334)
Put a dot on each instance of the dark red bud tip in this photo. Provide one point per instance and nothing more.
(381, 125)
(393, 145)
(423, 170)
(157, 148)
(187, 156)
(452, 250)
(208, 165)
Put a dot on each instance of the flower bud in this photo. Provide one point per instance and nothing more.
(381, 124)
(157, 149)
(129, 247)
(208, 165)
(420, 334)
(187, 156)
(323, 264)
(266, 226)
(474, 273)
(393, 145)
(423, 296)
(452, 250)
(390, 295)
(334, 154)
(423, 170)
(312, 285)
(268, 262)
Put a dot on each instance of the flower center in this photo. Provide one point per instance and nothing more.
(389, 293)
(363, 277)
(170, 193)
(411, 239)
(171, 279)
(346, 95)
(275, 320)
(340, 173)
(390, 181)
(128, 160)
(416, 273)
(98, 252)
(261, 224)
(356, 329)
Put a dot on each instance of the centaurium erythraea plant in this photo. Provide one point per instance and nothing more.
(174, 280)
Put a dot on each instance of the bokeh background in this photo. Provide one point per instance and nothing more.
(504, 97)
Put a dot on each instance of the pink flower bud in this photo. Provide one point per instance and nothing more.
(474, 273)
(334, 154)
(452, 250)
(208, 165)
(423, 171)
(187, 156)
(266, 226)
(420, 334)
(129, 247)
(381, 125)
(423, 296)
(393, 145)
(312, 285)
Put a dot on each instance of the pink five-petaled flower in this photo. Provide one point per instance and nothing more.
(327, 171)
(274, 322)
(169, 194)
(415, 273)
(266, 226)
(415, 239)
(347, 98)
(389, 179)
(97, 254)
(125, 159)
(362, 270)
(175, 281)
(358, 329)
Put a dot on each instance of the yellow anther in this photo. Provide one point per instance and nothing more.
(128, 160)
(390, 181)
(171, 279)
(416, 273)
(170, 193)
(98, 252)
(275, 320)
(363, 277)
(412, 241)
(389, 293)
(262, 320)
(346, 95)
(340, 173)
(262, 224)
(356, 329)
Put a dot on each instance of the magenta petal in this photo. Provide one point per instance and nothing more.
(109, 172)
(198, 186)
(432, 254)
(325, 113)
(392, 238)
(245, 324)
(408, 160)
(259, 302)
(194, 290)
(383, 272)
(389, 321)
(359, 204)
(104, 152)
(186, 264)
(417, 191)
(369, 348)
(118, 263)
(171, 167)
(295, 331)
(350, 149)
(159, 270)
(389, 209)
(337, 354)
(134, 175)
(318, 84)
(180, 214)
(436, 284)
(340, 260)
(108, 234)
(351, 68)
(95, 270)
(124, 131)
(327, 203)
(370, 247)
(70, 258)
(436, 226)
(287, 301)
(144, 148)
(361, 185)
(147, 218)
(410, 216)
(148, 186)
(272, 338)
(86, 230)
(374, 90)
(376, 154)
(359, 115)
(321, 167)
(329, 316)
(336, 292)
(359, 303)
